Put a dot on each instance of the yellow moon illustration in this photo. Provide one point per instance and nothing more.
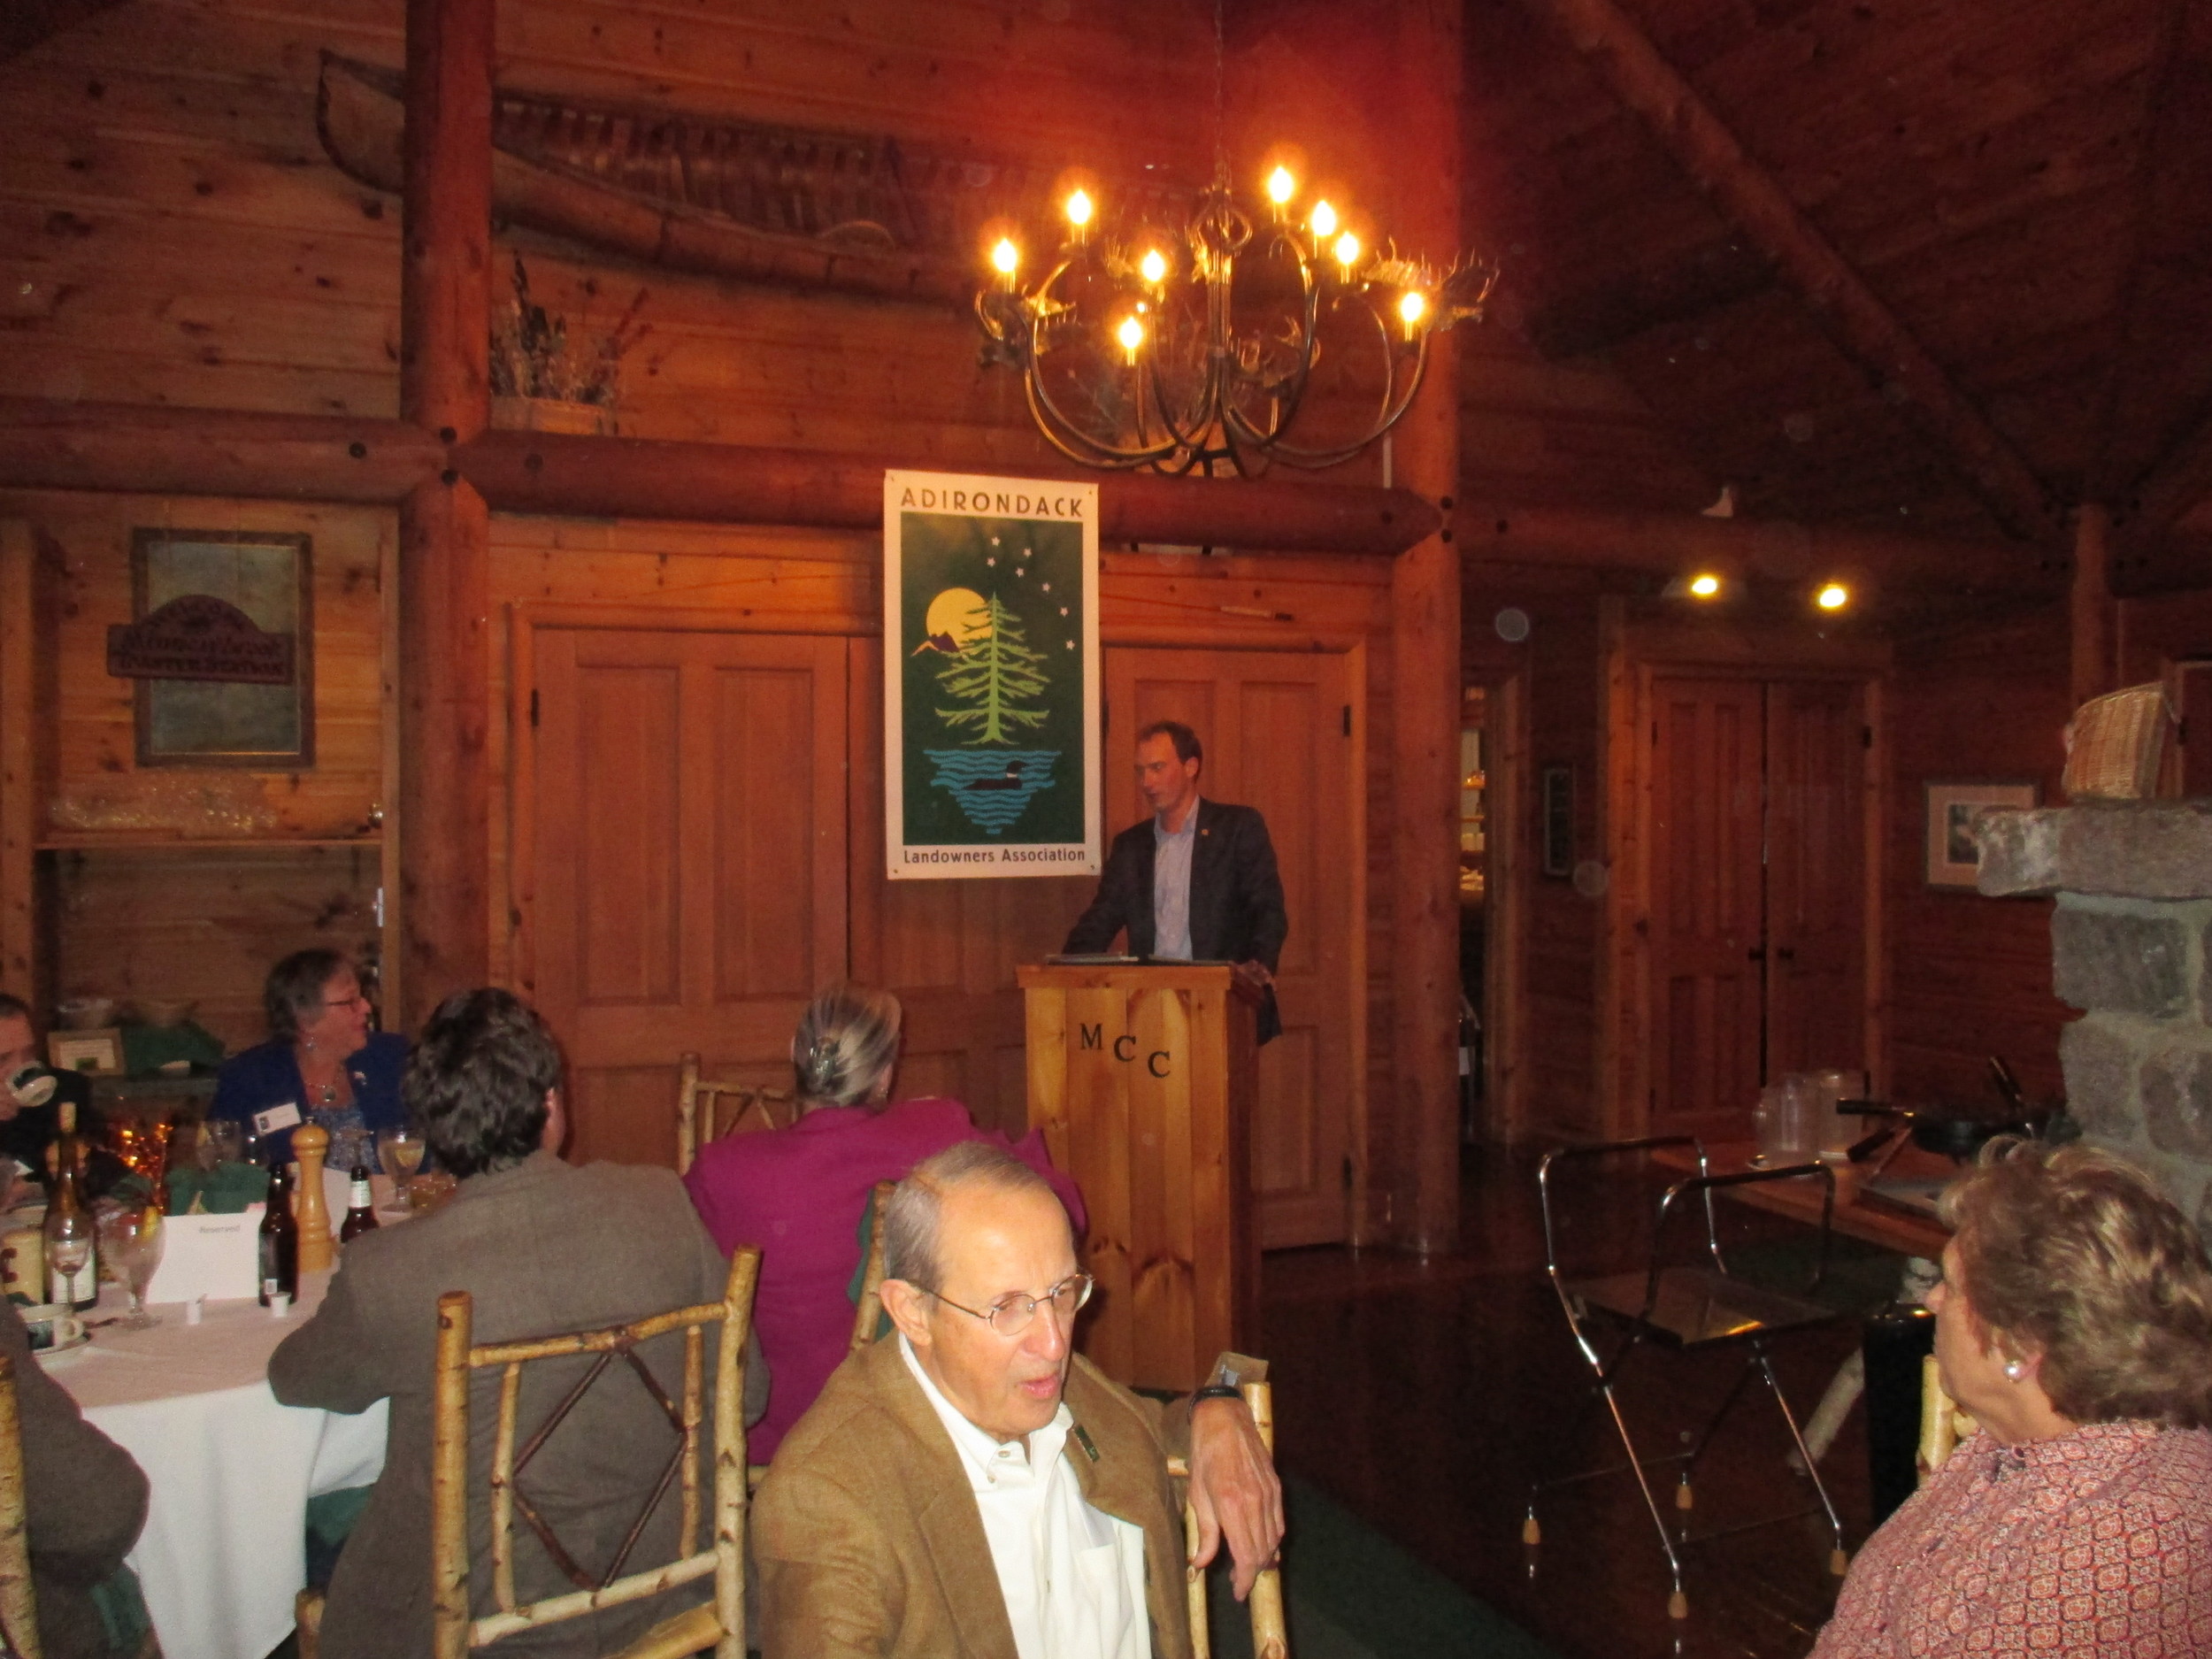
(961, 614)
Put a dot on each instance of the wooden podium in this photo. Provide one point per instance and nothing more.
(1140, 1077)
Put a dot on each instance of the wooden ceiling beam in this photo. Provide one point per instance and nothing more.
(2131, 332)
(2175, 484)
(1756, 550)
(1862, 323)
(25, 23)
(130, 449)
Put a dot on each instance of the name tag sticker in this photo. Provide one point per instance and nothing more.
(284, 1117)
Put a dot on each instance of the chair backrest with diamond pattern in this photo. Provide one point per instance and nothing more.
(718, 1624)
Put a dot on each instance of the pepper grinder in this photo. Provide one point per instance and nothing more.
(310, 1143)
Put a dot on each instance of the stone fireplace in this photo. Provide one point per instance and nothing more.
(2131, 947)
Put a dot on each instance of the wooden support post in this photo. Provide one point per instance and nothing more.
(444, 826)
(1425, 689)
(20, 807)
(2093, 608)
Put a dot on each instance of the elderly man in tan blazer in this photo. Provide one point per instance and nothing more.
(967, 1486)
(542, 1247)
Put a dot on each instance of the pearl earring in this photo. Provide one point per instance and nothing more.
(2015, 1370)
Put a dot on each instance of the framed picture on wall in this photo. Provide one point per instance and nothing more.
(220, 648)
(99, 1052)
(1559, 820)
(1953, 857)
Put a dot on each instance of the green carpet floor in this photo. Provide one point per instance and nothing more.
(1351, 1593)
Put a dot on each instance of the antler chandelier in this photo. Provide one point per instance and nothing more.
(1178, 347)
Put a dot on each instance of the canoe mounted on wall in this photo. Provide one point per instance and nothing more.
(787, 205)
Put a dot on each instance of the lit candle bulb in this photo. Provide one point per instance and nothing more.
(1131, 334)
(1280, 187)
(1834, 597)
(1006, 259)
(1078, 211)
(1413, 305)
(1348, 252)
(1322, 222)
(1705, 587)
(1153, 266)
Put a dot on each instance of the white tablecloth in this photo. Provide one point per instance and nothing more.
(223, 1553)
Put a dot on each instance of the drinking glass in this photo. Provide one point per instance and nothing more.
(142, 1144)
(227, 1136)
(402, 1151)
(132, 1239)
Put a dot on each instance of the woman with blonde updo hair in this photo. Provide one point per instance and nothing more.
(2074, 1322)
(801, 1192)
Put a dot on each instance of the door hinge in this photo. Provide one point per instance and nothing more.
(533, 710)
(1347, 720)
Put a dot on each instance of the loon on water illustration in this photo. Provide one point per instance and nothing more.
(1011, 779)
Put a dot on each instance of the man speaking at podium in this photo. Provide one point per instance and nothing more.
(1198, 882)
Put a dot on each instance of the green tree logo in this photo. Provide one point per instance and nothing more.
(996, 673)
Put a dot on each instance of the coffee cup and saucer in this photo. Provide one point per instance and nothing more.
(55, 1330)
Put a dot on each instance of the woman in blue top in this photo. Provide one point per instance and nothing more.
(321, 1064)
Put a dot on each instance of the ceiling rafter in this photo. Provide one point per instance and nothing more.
(1749, 196)
(2131, 339)
(2176, 482)
(24, 23)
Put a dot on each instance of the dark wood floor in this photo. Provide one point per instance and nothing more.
(1426, 1394)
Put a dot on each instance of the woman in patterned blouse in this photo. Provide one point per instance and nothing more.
(2075, 1323)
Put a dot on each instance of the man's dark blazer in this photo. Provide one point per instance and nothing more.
(1236, 896)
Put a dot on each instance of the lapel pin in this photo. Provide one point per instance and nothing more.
(1083, 1438)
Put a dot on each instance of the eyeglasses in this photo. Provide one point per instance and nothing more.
(1012, 1314)
(356, 999)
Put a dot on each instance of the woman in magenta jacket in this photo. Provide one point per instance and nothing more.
(800, 1193)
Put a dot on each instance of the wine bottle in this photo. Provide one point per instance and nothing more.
(280, 1240)
(73, 1249)
(360, 1208)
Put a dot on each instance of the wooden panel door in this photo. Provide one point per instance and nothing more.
(687, 835)
(1276, 734)
(1706, 904)
(1817, 750)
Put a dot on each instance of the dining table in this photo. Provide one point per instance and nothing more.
(223, 1553)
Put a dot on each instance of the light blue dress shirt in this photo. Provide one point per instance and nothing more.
(1171, 885)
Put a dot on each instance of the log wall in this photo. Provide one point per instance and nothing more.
(172, 233)
(1971, 976)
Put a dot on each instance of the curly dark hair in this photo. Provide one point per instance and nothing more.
(2074, 1252)
(478, 1079)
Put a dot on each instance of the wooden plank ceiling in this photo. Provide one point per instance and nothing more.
(2019, 181)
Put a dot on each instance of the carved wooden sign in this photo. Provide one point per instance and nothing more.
(197, 636)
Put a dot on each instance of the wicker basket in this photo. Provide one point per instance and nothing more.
(2119, 743)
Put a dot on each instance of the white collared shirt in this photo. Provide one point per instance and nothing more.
(1072, 1575)
(1171, 885)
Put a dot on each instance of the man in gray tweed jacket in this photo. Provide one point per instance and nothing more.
(543, 1248)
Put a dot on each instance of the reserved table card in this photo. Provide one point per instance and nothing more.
(214, 1256)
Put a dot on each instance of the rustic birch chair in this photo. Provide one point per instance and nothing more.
(1942, 1424)
(18, 1608)
(1270, 1639)
(718, 1624)
(748, 1104)
(868, 1312)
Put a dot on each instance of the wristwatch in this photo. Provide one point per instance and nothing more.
(1215, 1391)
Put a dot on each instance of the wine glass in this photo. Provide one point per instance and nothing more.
(228, 1137)
(402, 1151)
(132, 1239)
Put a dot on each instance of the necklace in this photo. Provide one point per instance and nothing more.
(329, 1094)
